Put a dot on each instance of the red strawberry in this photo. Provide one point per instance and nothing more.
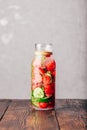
(42, 71)
(50, 65)
(53, 73)
(49, 90)
(48, 93)
(47, 78)
(43, 104)
(53, 85)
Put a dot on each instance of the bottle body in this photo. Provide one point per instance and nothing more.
(43, 80)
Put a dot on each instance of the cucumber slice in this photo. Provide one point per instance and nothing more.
(35, 104)
(38, 93)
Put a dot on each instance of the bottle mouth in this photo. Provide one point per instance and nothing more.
(44, 53)
(48, 47)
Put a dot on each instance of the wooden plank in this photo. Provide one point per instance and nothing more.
(72, 114)
(3, 107)
(20, 116)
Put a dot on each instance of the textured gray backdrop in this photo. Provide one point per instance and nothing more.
(26, 22)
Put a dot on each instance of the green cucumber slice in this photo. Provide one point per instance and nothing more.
(38, 93)
(35, 104)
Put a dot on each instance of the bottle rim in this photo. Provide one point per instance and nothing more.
(44, 43)
(47, 47)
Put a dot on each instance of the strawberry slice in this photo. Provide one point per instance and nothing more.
(49, 90)
(47, 78)
(43, 104)
(50, 65)
(42, 71)
(54, 73)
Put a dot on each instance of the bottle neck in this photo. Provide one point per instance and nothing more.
(43, 53)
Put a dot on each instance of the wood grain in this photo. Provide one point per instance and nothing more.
(3, 107)
(20, 116)
(72, 114)
(68, 115)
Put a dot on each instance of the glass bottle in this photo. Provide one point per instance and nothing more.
(43, 78)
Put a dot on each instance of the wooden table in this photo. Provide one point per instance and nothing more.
(69, 114)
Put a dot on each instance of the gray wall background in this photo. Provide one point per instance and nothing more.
(26, 22)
